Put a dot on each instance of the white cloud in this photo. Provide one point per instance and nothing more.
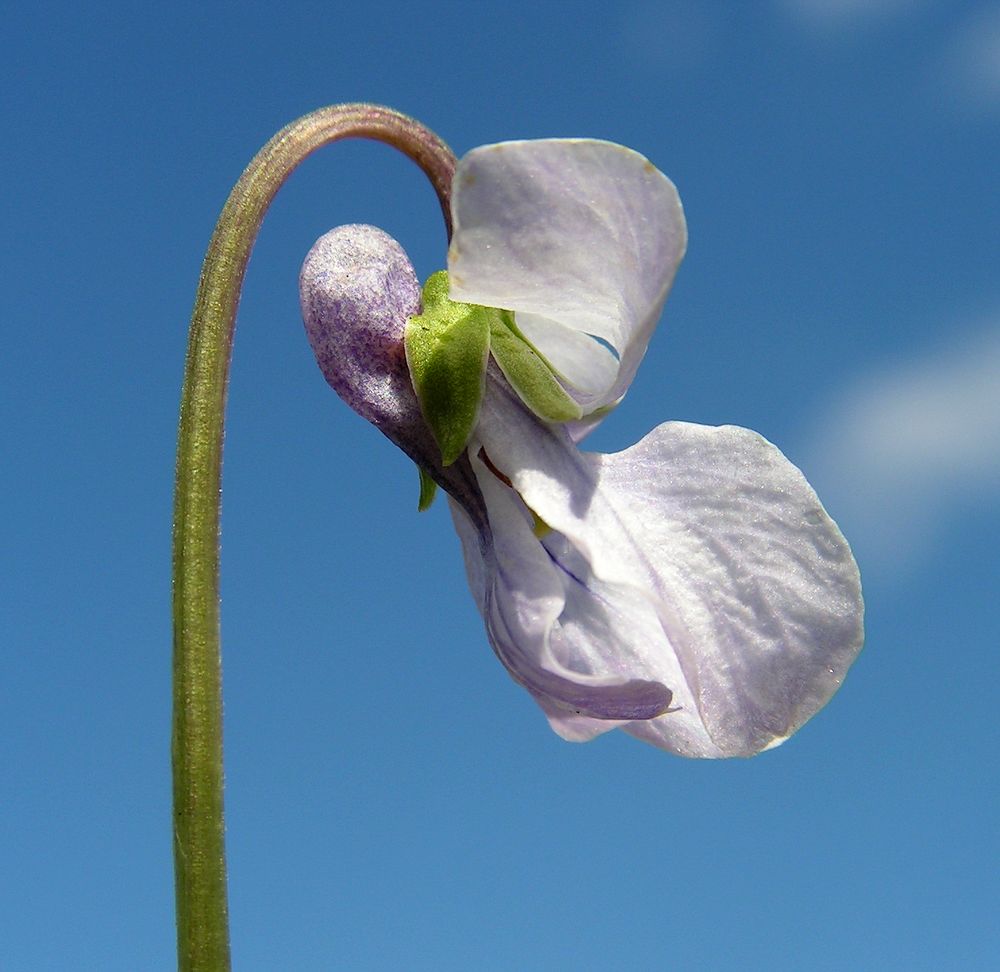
(971, 62)
(965, 68)
(844, 15)
(911, 446)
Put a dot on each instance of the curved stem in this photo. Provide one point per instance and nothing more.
(199, 848)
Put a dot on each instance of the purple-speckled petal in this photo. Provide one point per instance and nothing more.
(357, 289)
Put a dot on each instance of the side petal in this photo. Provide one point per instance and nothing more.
(754, 588)
(612, 628)
(520, 593)
(581, 238)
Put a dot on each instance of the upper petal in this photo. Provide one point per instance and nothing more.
(581, 238)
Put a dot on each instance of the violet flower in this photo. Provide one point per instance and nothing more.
(691, 589)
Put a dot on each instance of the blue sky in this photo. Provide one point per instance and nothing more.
(394, 800)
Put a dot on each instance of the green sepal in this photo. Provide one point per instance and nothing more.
(428, 490)
(529, 374)
(446, 350)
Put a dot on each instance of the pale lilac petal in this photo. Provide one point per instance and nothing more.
(580, 361)
(754, 589)
(520, 592)
(613, 628)
(578, 237)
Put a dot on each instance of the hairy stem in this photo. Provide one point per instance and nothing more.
(199, 830)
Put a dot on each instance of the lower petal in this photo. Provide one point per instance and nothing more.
(754, 588)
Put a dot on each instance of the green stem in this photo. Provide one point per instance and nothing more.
(199, 830)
